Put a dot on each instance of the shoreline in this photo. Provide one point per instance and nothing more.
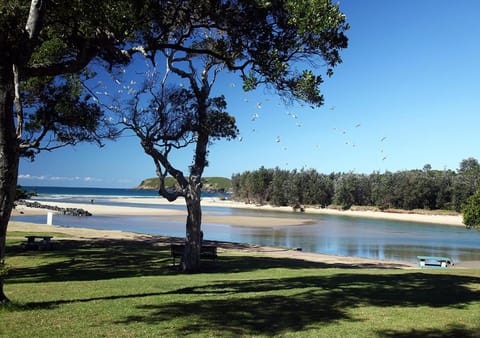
(99, 209)
(333, 261)
(454, 220)
(212, 217)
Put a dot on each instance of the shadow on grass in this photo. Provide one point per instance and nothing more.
(74, 260)
(452, 331)
(275, 306)
(268, 306)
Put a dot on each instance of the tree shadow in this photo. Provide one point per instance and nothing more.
(74, 260)
(299, 303)
(457, 330)
(268, 306)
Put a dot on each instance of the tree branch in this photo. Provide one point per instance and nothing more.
(17, 101)
(35, 16)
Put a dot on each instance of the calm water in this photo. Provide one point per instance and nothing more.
(336, 235)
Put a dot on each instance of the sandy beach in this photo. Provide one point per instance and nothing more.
(248, 221)
(234, 220)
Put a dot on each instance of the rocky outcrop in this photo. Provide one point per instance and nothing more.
(64, 211)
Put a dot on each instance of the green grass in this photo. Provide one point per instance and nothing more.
(129, 289)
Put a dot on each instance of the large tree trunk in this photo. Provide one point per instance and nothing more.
(9, 158)
(193, 243)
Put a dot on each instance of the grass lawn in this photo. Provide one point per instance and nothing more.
(120, 288)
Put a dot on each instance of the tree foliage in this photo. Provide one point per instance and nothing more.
(56, 113)
(471, 211)
(409, 189)
(263, 40)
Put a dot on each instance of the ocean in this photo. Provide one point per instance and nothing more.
(98, 195)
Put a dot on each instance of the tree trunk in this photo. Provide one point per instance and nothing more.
(9, 158)
(193, 244)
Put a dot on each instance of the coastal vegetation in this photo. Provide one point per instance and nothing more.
(471, 211)
(209, 184)
(122, 288)
(424, 189)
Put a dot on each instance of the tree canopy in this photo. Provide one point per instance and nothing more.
(471, 211)
(282, 45)
(407, 189)
(286, 45)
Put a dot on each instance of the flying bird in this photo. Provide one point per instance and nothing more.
(292, 114)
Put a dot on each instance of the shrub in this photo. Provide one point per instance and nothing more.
(471, 211)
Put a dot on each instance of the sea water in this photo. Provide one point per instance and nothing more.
(337, 235)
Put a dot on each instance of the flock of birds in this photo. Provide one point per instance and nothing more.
(342, 132)
(345, 134)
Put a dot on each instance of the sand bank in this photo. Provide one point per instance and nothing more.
(404, 217)
(211, 217)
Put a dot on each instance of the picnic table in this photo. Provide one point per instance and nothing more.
(35, 242)
(434, 261)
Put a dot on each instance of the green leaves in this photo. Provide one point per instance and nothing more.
(471, 211)
(57, 114)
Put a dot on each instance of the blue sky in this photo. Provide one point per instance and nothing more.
(407, 94)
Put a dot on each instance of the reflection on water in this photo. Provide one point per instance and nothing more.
(346, 236)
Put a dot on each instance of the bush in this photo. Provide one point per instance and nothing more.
(471, 211)
(23, 194)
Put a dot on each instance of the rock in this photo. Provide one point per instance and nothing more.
(65, 211)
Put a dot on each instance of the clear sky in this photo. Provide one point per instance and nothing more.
(407, 94)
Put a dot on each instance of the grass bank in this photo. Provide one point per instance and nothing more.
(124, 288)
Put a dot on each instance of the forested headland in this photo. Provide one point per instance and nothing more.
(408, 189)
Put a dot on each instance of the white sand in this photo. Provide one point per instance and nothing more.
(241, 220)
(406, 217)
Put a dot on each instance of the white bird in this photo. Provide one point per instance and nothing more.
(277, 139)
(383, 139)
(254, 116)
(292, 115)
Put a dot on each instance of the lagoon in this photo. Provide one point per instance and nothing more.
(336, 235)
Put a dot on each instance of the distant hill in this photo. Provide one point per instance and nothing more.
(212, 184)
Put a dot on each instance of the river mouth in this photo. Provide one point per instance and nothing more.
(327, 234)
